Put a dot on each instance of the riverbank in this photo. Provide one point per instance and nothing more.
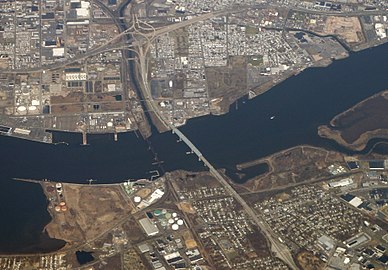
(356, 126)
(291, 167)
(299, 104)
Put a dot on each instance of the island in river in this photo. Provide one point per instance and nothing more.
(361, 123)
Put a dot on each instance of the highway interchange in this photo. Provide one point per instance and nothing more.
(138, 38)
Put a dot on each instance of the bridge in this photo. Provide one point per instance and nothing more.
(277, 247)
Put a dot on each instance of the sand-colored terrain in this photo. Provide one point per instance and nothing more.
(186, 207)
(91, 211)
(307, 261)
(347, 28)
(300, 164)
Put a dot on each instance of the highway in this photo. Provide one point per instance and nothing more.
(147, 38)
(137, 42)
(278, 248)
(110, 45)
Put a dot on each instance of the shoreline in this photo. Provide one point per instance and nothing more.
(277, 172)
(357, 106)
(333, 130)
(359, 144)
(259, 90)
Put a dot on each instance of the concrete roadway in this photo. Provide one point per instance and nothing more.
(109, 45)
(341, 14)
(279, 249)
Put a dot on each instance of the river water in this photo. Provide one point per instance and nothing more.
(299, 104)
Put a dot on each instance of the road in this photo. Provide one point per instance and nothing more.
(341, 14)
(280, 250)
(111, 44)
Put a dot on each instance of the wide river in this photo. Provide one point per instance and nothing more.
(299, 104)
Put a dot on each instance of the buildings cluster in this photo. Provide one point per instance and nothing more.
(178, 79)
(229, 237)
(36, 36)
(307, 213)
(193, 69)
(353, 30)
(49, 262)
(184, 7)
(36, 33)
(190, 67)
(381, 26)
(334, 228)
(20, 35)
(202, 6)
(172, 251)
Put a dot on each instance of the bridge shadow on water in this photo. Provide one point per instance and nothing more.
(299, 104)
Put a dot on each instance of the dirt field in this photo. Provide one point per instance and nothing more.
(292, 166)
(132, 261)
(228, 83)
(186, 207)
(112, 106)
(67, 109)
(4, 63)
(74, 97)
(189, 240)
(192, 181)
(144, 192)
(308, 261)
(347, 28)
(259, 243)
(91, 211)
(369, 115)
(100, 98)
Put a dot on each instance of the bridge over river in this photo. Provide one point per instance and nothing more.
(277, 247)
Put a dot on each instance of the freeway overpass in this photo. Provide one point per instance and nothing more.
(278, 248)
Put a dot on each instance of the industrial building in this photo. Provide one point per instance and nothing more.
(149, 227)
(341, 183)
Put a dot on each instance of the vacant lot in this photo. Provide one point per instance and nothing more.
(92, 211)
(347, 28)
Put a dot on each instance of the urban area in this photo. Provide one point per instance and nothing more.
(335, 219)
(100, 66)
(111, 66)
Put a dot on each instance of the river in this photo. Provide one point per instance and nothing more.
(299, 104)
